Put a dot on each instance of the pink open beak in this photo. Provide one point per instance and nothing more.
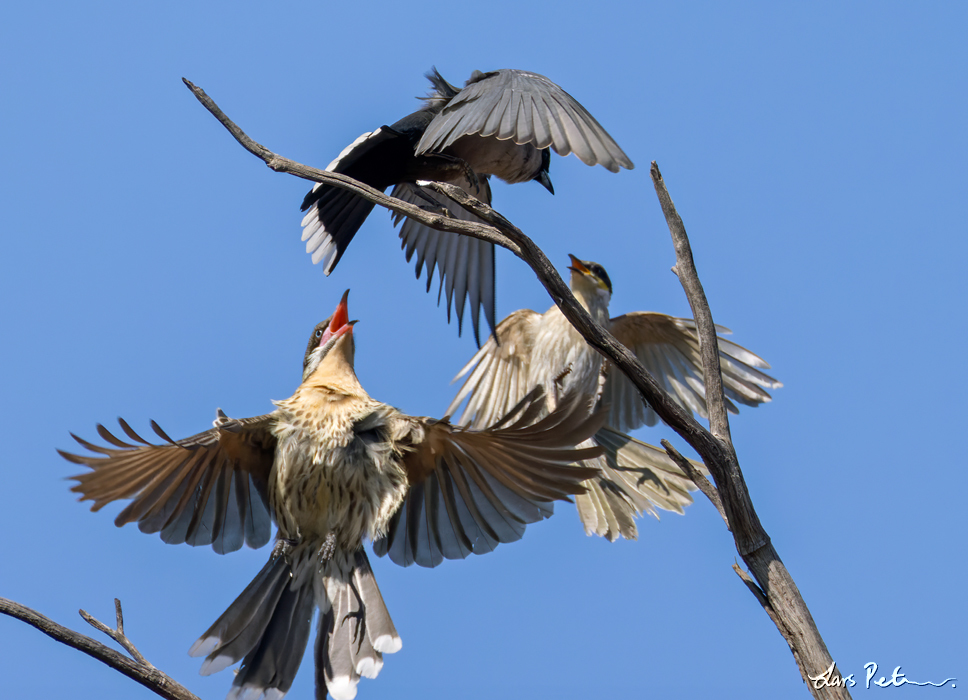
(339, 324)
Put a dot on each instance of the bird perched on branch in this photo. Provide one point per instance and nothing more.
(501, 123)
(545, 350)
(333, 466)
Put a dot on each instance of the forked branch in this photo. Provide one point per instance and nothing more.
(136, 668)
(783, 600)
(773, 585)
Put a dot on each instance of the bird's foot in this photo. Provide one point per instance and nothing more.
(359, 633)
(328, 548)
(282, 547)
(431, 206)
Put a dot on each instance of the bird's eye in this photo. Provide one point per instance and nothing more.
(319, 333)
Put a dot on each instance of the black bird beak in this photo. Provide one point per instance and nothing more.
(545, 181)
(543, 177)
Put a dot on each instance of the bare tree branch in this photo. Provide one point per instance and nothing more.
(436, 220)
(774, 587)
(116, 634)
(701, 482)
(685, 270)
(778, 592)
(139, 670)
(790, 613)
(768, 609)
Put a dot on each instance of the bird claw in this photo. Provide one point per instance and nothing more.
(282, 547)
(471, 175)
(359, 634)
(328, 548)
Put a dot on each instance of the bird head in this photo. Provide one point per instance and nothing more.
(590, 284)
(331, 345)
(589, 281)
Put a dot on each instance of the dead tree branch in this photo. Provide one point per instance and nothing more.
(780, 596)
(438, 221)
(701, 482)
(785, 604)
(776, 590)
(137, 669)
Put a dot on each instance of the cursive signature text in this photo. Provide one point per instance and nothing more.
(897, 678)
(832, 679)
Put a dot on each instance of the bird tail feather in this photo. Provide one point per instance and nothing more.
(634, 478)
(355, 628)
(268, 626)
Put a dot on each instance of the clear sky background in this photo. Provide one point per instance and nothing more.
(152, 269)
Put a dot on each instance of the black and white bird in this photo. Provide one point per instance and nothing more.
(501, 123)
(545, 350)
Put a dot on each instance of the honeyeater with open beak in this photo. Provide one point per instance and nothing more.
(500, 123)
(333, 467)
(545, 350)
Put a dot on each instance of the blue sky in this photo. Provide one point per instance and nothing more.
(152, 269)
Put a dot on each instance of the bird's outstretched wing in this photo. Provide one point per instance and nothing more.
(669, 348)
(528, 108)
(465, 264)
(471, 490)
(498, 375)
(211, 488)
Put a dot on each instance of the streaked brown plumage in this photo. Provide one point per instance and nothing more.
(544, 349)
(334, 467)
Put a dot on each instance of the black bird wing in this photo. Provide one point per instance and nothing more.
(377, 158)
(465, 265)
(471, 490)
(211, 488)
(528, 108)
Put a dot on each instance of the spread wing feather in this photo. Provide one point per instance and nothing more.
(211, 488)
(528, 108)
(465, 265)
(471, 490)
(669, 348)
(497, 375)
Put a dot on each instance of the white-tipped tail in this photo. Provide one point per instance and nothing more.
(355, 629)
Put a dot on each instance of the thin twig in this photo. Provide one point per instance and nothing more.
(768, 609)
(685, 270)
(145, 674)
(701, 482)
(116, 634)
